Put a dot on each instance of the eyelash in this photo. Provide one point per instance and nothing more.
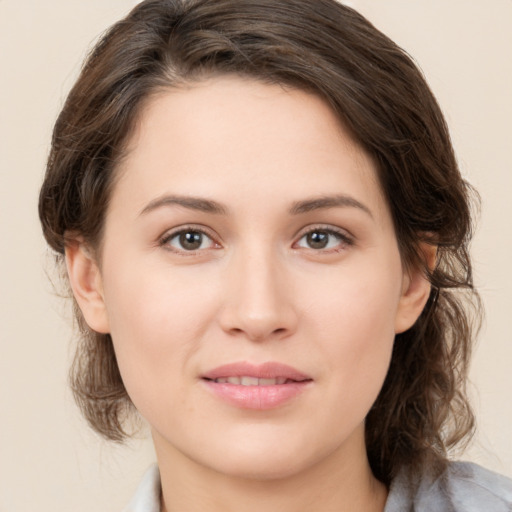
(165, 240)
(342, 237)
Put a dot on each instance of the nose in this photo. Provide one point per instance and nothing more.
(258, 302)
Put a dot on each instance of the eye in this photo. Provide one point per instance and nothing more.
(324, 239)
(188, 240)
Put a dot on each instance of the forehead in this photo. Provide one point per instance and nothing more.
(236, 138)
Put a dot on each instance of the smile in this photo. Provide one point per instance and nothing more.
(253, 381)
(260, 387)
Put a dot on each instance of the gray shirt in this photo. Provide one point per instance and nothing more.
(463, 487)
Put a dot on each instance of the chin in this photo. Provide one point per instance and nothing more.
(261, 469)
(262, 459)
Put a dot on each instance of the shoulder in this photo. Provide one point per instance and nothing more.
(462, 487)
(147, 496)
(468, 477)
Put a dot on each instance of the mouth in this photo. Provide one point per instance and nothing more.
(258, 387)
(248, 374)
(254, 381)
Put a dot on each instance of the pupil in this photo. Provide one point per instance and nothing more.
(191, 240)
(317, 239)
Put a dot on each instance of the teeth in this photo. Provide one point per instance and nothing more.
(251, 381)
(267, 382)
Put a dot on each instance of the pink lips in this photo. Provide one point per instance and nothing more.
(251, 392)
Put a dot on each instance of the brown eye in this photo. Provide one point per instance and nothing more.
(317, 239)
(324, 239)
(188, 240)
(191, 240)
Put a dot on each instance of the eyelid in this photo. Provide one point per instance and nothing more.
(164, 239)
(346, 239)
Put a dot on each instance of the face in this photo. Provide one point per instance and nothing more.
(250, 279)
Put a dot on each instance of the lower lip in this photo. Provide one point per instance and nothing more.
(257, 397)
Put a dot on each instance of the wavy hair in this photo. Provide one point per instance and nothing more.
(378, 92)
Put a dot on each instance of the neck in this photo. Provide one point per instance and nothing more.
(336, 483)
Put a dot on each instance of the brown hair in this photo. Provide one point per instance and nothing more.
(377, 92)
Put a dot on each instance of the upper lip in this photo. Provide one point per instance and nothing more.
(268, 370)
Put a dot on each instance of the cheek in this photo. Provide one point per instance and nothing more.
(157, 324)
(352, 303)
(147, 304)
(354, 323)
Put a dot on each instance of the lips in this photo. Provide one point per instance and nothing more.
(269, 370)
(247, 386)
(252, 381)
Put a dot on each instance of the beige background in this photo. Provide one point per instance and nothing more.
(49, 460)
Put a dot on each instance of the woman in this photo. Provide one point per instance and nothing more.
(265, 232)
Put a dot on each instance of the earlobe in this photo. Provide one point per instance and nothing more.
(86, 283)
(415, 291)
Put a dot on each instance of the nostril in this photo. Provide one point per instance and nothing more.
(257, 322)
(259, 333)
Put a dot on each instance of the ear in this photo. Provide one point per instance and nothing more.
(86, 283)
(415, 291)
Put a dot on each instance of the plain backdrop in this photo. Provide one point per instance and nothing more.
(49, 460)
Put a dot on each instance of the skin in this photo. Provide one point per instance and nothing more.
(255, 290)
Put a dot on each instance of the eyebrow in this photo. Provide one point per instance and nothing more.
(325, 202)
(192, 203)
(297, 208)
